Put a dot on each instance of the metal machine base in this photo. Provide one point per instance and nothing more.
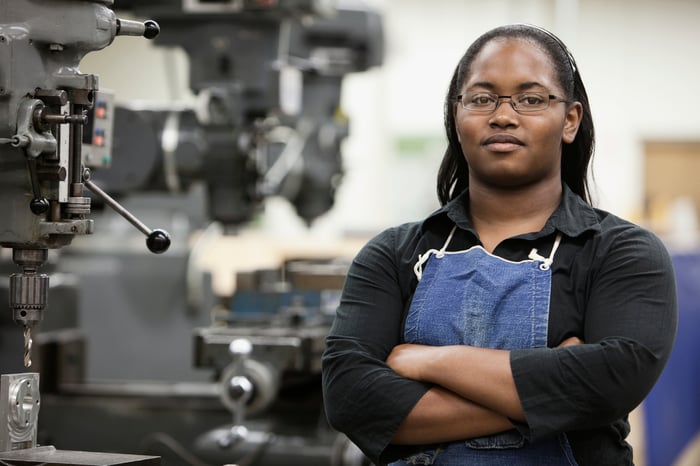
(49, 456)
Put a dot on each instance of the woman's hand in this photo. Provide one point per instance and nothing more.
(571, 341)
(409, 360)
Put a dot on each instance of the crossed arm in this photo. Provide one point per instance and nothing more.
(474, 392)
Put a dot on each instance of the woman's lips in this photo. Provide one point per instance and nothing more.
(502, 143)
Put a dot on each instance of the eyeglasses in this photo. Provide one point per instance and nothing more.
(525, 102)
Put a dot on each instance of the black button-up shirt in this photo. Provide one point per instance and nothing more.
(612, 286)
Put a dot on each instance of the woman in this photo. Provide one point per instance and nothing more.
(517, 324)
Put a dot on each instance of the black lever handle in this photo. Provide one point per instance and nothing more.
(39, 204)
(157, 241)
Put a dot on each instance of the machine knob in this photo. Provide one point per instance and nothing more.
(152, 29)
(39, 206)
(158, 241)
(240, 389)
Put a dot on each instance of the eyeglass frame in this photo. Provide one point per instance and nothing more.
(550, 98)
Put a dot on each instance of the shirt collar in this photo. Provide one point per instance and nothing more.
(573, 217)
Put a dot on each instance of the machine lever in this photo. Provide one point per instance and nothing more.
(148, 29)
(238, 390)
(60, 119)
(157, 241)
(39, 205)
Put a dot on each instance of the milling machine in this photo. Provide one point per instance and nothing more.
(201, 382)
(45, 146)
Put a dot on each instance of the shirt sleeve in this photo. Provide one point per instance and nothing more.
(629, 329)
(363, 397)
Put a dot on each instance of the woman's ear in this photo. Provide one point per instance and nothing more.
(574, 114)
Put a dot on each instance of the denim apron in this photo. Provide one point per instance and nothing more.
(471, 297)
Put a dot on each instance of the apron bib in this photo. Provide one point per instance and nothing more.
(472, 297)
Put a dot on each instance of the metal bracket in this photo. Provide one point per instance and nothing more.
(34, 141)
(19, 410)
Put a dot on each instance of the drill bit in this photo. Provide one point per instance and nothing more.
(27, 346)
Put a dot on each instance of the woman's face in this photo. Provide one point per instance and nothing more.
(506, 149)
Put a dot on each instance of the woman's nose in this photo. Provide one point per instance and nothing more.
(504, 115)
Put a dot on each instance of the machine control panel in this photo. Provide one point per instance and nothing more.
(98, 134)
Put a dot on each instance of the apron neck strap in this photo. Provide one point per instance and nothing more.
(449, 238)
(546, 261)
(534, 255)
(423, 258)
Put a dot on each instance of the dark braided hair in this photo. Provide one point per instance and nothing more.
(453, 175)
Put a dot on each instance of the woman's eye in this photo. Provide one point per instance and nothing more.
(531, 99)
(481, 99)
